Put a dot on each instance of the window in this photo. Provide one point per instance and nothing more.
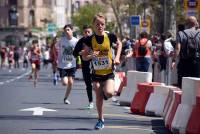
(32, 18)
(32, 3)
(77, 5)
(47, 2)
(86, 2)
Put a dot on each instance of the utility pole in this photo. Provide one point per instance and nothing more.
(165, 16)
(173, 18)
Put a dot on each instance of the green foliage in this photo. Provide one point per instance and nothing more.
(85, 15)
(110, 26)
(180, 15)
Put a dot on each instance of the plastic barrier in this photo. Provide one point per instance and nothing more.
(193, 125)
(141, 97)
(169, 103)
(172, 113)
(181, 118)
(133, 77)
(190, 86)
(117, 82)
(156, 102)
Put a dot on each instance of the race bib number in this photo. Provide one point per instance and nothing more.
(67, 58)
(100, 63)
(34, 58)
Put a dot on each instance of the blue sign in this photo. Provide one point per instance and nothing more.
(192, 3)
(135, 20)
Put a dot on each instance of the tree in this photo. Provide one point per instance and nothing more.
(85, 15)
(120, 11)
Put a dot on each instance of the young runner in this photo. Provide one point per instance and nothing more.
(87, 31)
(35, 55)
(54, 57)
(98, 49)
(66, 60)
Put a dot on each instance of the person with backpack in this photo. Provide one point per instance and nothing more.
(188, 50)
(142, 52)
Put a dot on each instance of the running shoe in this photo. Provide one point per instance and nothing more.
(66, 101)
(90, 105)
(35, 83)
(99, 125)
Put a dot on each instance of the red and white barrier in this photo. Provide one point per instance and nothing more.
(133, 77)
(190, 87)
(156, 102)
(141, 97)
(170, 116)
(169, 102)
(193, 125)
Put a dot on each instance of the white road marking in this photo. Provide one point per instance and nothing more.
(129, 127)
(38, 111)
(16, 78)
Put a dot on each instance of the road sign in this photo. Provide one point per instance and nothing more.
(145, 25)
(192, 7)
(135, 20)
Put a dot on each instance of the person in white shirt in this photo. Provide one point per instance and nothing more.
(66, 60)
(169, 51)
(46, 58)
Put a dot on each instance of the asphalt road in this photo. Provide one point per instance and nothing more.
(40, 110)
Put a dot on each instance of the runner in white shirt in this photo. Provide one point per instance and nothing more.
(66, 60)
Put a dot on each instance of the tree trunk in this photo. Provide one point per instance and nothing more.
(117, 18)
(173, 18)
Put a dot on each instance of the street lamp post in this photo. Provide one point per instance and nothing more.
(144, 7)
(165, 16)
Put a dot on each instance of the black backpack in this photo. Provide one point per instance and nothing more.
(192, 47)
(142, 49)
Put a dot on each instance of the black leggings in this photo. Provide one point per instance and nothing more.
(88, 82)
(188, 68)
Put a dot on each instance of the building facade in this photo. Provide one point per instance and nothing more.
(34, 13)
(43, 14)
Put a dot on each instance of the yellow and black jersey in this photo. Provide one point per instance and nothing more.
(103, 63)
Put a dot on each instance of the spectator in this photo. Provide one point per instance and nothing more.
(16, 58)
(143, 53)
(188, 50)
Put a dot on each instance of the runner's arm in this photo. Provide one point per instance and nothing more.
(86, 55)
(118, 54)
(176, 53)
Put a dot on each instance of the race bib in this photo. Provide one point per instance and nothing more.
(34, 58)
(67, 58)
(100, 63)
